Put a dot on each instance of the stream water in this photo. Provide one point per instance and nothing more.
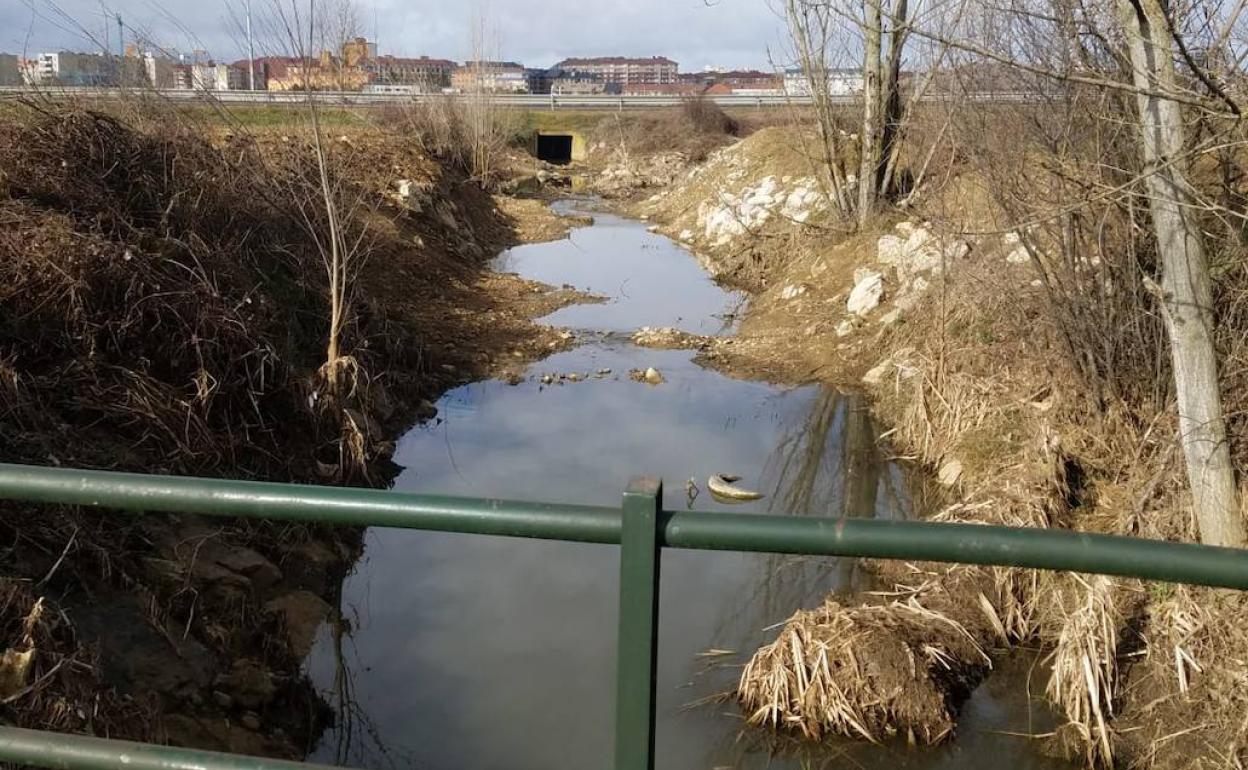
(497, 654)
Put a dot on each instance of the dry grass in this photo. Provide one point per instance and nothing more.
(48, 680)
(867, 672)
(1085, 669)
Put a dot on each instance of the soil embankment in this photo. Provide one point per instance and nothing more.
(947, 320)
(163, 309)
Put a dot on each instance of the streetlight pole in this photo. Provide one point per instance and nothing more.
(251, 54)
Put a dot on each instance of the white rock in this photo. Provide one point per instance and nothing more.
(405, 188)
(891, 317)
(866, 295)
(890, 249)
(878, 373)
(918, 251)
(794, 291)
(950, 473)
(653, 376)
(686, 235)
(1018, 255)
(845, 328)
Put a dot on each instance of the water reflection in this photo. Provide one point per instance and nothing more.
(651, 280)
(479, 652)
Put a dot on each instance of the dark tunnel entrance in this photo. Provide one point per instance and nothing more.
(555, 148)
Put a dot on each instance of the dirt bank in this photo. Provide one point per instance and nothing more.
(944, 318)
(163, 309)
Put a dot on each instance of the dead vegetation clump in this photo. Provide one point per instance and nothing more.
(473, 136)
(48, 680)
(133, 293)
(1185, 702)
(694, 131)
(871, 672)
(167, 294)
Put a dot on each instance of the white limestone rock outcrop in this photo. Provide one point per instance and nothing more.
(867, 293)
(915, 249)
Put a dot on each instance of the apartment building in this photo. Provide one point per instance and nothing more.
(841, 82)
(68, 68)
(497, 77)
(10, 70)
(431, 75)
(622, 70)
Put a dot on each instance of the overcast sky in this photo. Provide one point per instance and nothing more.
(696, 33)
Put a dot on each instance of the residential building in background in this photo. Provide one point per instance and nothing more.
(10, 70)
(841, 82)
(66, 68)
(159, 71)
(240, 76)
(740, 81)
(495, 77)
(573, 84)
(430, 75)
(271, 68)
(621, 70)
(358, 66)
(676, 89)
(324, 73)
(358, 52)
(539, 80)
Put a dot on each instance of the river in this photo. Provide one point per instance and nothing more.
(497, 654)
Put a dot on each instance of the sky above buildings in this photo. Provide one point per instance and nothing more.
(696, 33)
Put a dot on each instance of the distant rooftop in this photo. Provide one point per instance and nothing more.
(574, 61)
(494, 64)
(387, 59)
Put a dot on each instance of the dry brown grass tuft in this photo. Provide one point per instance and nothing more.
(871, 671)
(1085, 669)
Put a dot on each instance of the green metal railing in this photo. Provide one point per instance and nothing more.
(641, 527)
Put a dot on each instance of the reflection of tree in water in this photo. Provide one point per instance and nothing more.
(355, 739)
(827, 463)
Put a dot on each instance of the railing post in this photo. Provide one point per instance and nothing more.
(637, 652)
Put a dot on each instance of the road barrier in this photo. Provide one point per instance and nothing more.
(640, 527)
(516, 101)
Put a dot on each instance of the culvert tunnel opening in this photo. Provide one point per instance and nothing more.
(555, 148)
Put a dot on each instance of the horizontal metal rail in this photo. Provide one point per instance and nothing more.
(529, 101)
(640, 527)
(1050, 549)
(63, 751)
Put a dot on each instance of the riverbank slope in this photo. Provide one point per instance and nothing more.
(954, 326)
(164, 309)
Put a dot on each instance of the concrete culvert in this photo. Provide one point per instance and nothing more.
(554, 148)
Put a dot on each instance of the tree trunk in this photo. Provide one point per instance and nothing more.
(890, 143)
(872, 112)
(1187, 296)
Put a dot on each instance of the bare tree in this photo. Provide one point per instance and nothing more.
(482, 118)
(883, 29)
(812, 29)
(343, 248)
(1186, 293)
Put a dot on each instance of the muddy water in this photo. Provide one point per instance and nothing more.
(474, 652)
